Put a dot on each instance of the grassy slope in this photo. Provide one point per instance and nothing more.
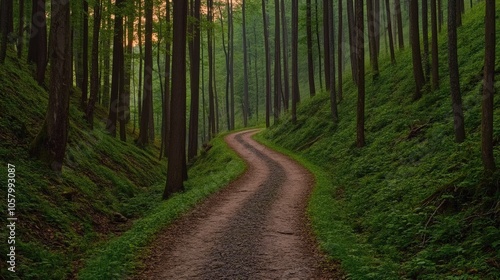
(65, 219)
(405, 206)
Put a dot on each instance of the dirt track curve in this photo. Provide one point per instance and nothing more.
(256, 228)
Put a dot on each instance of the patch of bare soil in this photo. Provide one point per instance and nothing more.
(256, 228)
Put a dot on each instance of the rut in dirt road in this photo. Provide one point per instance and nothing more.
(256, 228)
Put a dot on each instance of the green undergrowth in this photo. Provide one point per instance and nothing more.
(411, 204)
(67, 220)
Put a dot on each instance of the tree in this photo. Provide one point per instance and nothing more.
(418, 73)
(277, 61)
(166, 98)
(286, 74)
(6, 26)
(94, 72)
(360, 51)
(295, 53)
(352, 40)
(50, 143)
(425, 35)
(226, 55)
(20, 30)
(117, 71)
(389, 30)
(340, 51)
(231, 60)
(147, 104)
(331, 54)
(316, 21)
(310, 60)
(195, 80)
(85, 53)
(211, 93)
(177, 148)
(456, 99)
(268, 63)
(434, 46)
(397, 4)
(326, 43)
(372, 37)
(246, 105)
(488, 89)
(37, 50)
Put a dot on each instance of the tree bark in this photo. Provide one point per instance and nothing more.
(326, 43)
(37, 51)
(418, 73)
(399, 17)
(195, 81)
(295, 52)
(85, 54)
(488, 89)
(434, 47)
(318, 44)
(245, 67)
(340, 51)
(166, 97)
(286, 73)
(268, 63)
(425, 35)
(360, 50)
(352, 40)
(177, 148)
(389, 30)
(456, 99)
(372, 37)
(20, 30)
(94, 72)
(310, 60)
(50, 143)
(277, 62)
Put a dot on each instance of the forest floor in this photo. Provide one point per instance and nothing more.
(255, 228)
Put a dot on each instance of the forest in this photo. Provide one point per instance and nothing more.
(245, 139)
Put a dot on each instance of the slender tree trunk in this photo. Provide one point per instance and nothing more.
(107, 61)
(440, 15)
(6, 22)
(389, 30)
(245, 68)
(360, 117)
(372, 37)
(94, 73)
(488, 89)
(456, 99)
(147, 105)
(231, 61)
(310, 60)
(177, 149)
(376, 24)
(352, 40)
(85, 54)
(286, 73)
(257, 90)
(425, 31)
(331, 52)
(141, 59)
(20, 30)
(295, 58)
(211, 101)
(318, 44)
(418, 72)
(277, 61)
(37, 51)
(166, 97)
(226, 55)
(50, 143)
(195, 81)
(268, 63)
(399, 17)
(340, 51)
(435, 50)
(326, 43)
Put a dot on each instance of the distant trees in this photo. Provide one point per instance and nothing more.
(418, 72)
(360, 52)
(37, 51)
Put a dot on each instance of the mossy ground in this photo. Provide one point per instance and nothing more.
(412, 204)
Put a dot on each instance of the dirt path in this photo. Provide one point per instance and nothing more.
(253, 229)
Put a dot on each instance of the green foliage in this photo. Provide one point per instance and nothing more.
(412, 204)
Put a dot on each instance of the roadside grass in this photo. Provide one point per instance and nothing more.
(412, 204)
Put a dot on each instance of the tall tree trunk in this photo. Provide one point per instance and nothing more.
(107, 61)
(116, 81)
(352, 40)
(399, 17)
(20, 30)
(85, 54)
(440, 15)
(245, 67)
(6, 22)
(425, 31)
(166, 97)
(147, 105)
(376, 24)
(488, 89)
(360, 50)
(318, 43)
(141, 59)
(177, 148)
(389, 30)
(418, 72)
(37, 51)
(295, 58)
(231, 61)
(286, 74)
(310, 60)
(226, 55)
(257, 89)
(268, 63)
(456, 99)
(277, 61)
(211, 97)
(195, 81)
(340, 50)
(94, 72)
(331, 53)
(372, 37)
(50, 143)
(326, 43)
(435, 50)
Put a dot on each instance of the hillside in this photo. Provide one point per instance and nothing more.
(412, 204)
(63, 219)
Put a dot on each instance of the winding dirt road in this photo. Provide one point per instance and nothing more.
(256, 228)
